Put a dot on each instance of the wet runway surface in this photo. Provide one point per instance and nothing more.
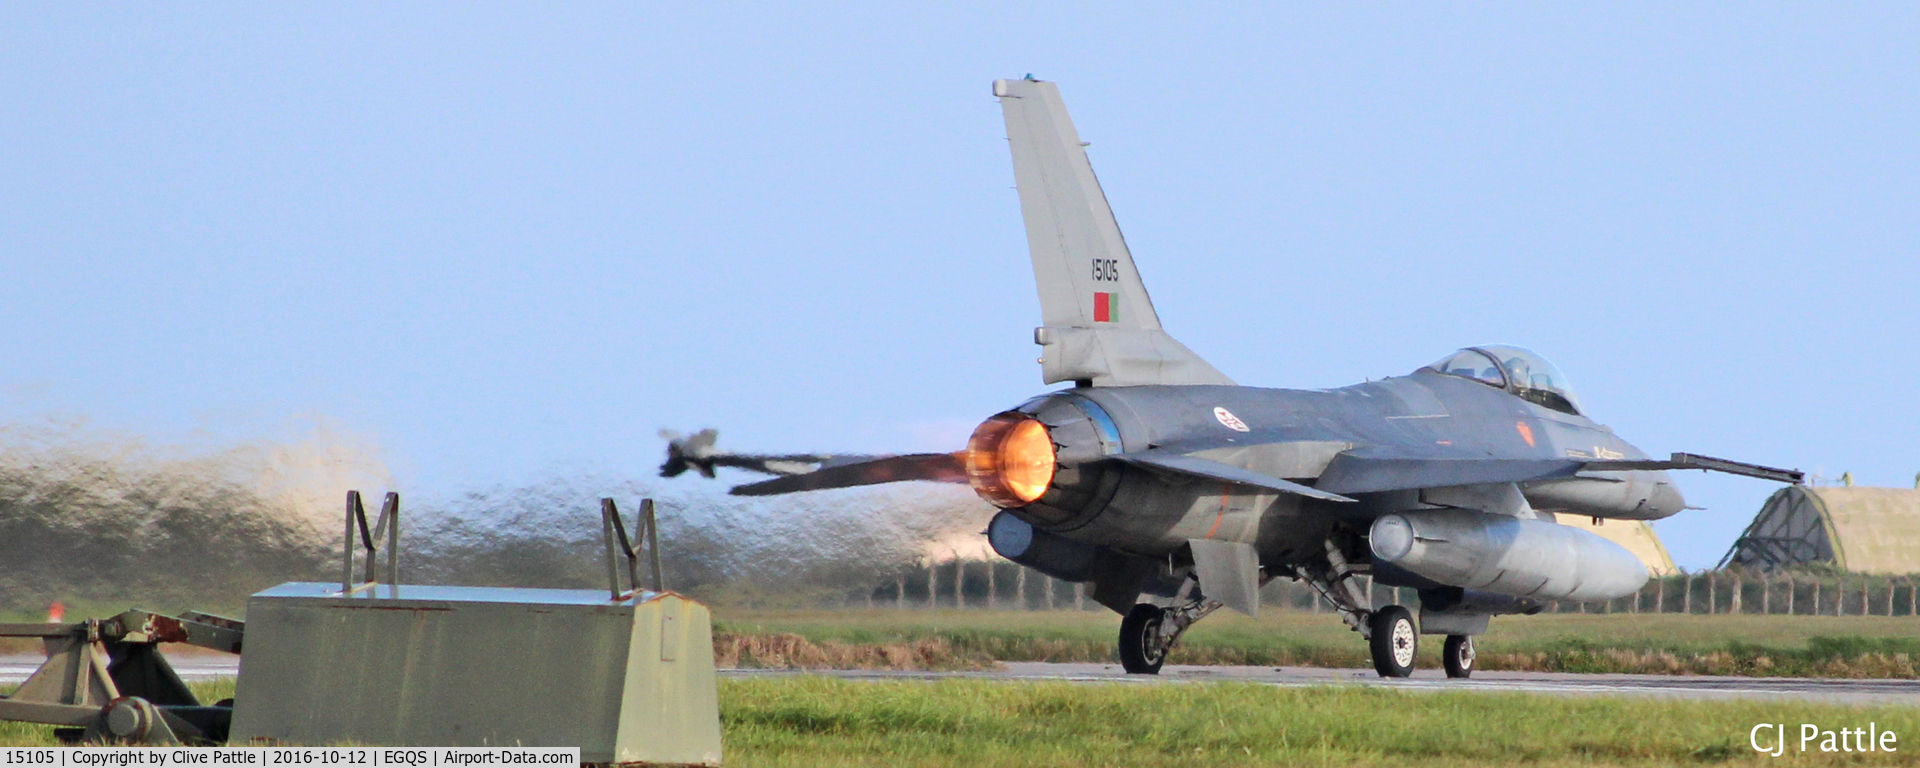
(14, 669)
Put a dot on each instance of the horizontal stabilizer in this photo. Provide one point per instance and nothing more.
(938, 467)
(1709, 463)
(1204, 468)
(697, 452)
(1359, 473)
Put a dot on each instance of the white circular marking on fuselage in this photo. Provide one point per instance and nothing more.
(1230, 421)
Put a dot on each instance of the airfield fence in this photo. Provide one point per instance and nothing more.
(1002, 585)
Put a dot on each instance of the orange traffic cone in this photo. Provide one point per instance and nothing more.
(56, 612)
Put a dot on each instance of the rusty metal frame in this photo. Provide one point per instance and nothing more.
(387, 526)
(106, 680)
(619, 546)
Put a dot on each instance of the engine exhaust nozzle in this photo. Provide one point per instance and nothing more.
(1010, 460)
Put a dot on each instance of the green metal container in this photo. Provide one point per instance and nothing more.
(627, 681)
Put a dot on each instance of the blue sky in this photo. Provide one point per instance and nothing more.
(503, 241)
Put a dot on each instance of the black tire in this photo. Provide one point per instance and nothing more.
(1395, 641)
(1458, 655)
(1140, 649)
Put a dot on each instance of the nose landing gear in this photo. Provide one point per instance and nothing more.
(1392, 636)
(1458, 655)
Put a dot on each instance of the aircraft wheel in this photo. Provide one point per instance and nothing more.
(1458, 655)
(1395, 641)
(1141, 649)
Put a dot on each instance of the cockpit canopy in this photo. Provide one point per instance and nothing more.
(1515, 369)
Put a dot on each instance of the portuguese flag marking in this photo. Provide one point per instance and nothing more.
(1106, 307)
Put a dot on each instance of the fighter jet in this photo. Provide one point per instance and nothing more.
(1171, 491)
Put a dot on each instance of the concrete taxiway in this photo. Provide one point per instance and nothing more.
(14, 669)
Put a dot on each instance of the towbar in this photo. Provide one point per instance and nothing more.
(106, 681)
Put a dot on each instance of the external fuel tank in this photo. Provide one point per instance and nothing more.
(1507, 555)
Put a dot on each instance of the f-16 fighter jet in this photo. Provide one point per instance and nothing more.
(1170, 490)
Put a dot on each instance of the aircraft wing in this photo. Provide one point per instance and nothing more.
(697, 452)
(1369, 472)
(1195, 466)
(1356, 472)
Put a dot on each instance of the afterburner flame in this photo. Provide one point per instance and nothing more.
(1010, 460)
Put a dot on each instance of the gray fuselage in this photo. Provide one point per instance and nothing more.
(1294, 434)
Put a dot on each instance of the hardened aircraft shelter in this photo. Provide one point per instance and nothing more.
(1636, 535)
(1849, 528)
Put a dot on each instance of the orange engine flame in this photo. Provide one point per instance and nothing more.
(1010, 460)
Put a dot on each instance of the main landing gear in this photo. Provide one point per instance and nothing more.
(1150, 631)
(1142, 647)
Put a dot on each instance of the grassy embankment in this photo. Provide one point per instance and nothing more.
(811, 721)
(1812, 646)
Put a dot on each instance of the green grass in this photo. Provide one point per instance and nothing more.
(1748, 645)
(810, 721)
(815, 721)
(29, 735)
(26, 735)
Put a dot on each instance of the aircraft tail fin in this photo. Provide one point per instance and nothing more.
(1099, 324)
